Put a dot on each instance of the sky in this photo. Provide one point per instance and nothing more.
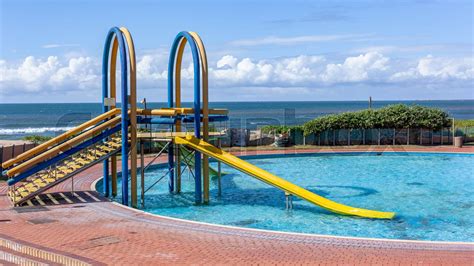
(50, 51)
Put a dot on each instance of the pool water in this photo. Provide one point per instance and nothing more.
(432, 195)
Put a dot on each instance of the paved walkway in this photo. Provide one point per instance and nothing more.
(102, 232)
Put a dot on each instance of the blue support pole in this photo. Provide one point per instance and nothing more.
(197, 107)
(115, 32)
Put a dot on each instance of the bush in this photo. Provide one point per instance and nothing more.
(36, 139)
(391, 116)
(464, 123)
(279, 129)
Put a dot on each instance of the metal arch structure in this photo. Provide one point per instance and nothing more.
(174, 100)
(95, 141)
(119, 40)
(205, 111)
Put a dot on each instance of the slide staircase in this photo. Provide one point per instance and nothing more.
(250, 169)
(62, 157)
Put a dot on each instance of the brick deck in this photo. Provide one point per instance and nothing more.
(107, 233)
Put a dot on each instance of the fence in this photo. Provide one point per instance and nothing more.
(380, 136)
(11, 151)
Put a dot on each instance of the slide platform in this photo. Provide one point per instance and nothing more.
(250, 169)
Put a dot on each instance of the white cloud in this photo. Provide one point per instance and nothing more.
(302, 73)
(359, 68)
(275, 40)
(51, 73)
(274, 72)
(302, 70)
(438, 69)
(57, 45)
(386, 49)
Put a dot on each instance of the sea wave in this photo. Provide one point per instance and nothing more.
(32, 130)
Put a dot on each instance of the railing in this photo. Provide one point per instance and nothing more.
(62, 147)
(59, 139)
(377, 136)
(11, 151)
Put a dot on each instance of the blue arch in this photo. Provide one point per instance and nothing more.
(116, 33)
(197, 107)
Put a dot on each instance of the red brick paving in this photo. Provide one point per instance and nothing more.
(108, 233)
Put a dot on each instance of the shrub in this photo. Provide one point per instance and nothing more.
(391, 116)
(278, 129)
(36, 138)
(464, 123)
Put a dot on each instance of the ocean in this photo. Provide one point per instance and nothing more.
(50, 119)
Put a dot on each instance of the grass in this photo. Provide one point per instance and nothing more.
(38, 139)
(464, 123)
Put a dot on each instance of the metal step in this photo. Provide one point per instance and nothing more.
(45, 179)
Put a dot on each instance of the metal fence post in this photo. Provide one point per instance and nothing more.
(378, 141)
(1, 159)
(334, 137)
(421, 136)
(442, 133)
(363, 136)
(394, 135)
(454, 132)
(432, 141)
(349, 137)
(408, 136)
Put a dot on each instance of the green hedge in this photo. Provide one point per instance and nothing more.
(392, 116)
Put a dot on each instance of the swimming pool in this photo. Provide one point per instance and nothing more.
(432, 194)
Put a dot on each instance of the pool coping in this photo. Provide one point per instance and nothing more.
(303, 153)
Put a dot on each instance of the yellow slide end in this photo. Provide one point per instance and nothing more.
(250, 169)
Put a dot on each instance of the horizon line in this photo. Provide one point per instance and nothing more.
(410, 100)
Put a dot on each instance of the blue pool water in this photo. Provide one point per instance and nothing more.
(433, 196)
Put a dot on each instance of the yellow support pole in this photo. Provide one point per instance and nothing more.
(133, 115)
(205, 112)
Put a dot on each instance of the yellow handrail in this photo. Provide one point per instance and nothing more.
(44, 146)
(63, 147)
(178, 110)
(163, 111)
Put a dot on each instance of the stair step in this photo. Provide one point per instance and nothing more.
(100, 154)
(113, 144)
(34, 184)
(92, 158)
(24, 194)
(106, 149)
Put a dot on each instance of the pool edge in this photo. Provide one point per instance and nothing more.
(379, 240)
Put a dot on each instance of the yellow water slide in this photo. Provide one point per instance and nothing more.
(250, 169)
